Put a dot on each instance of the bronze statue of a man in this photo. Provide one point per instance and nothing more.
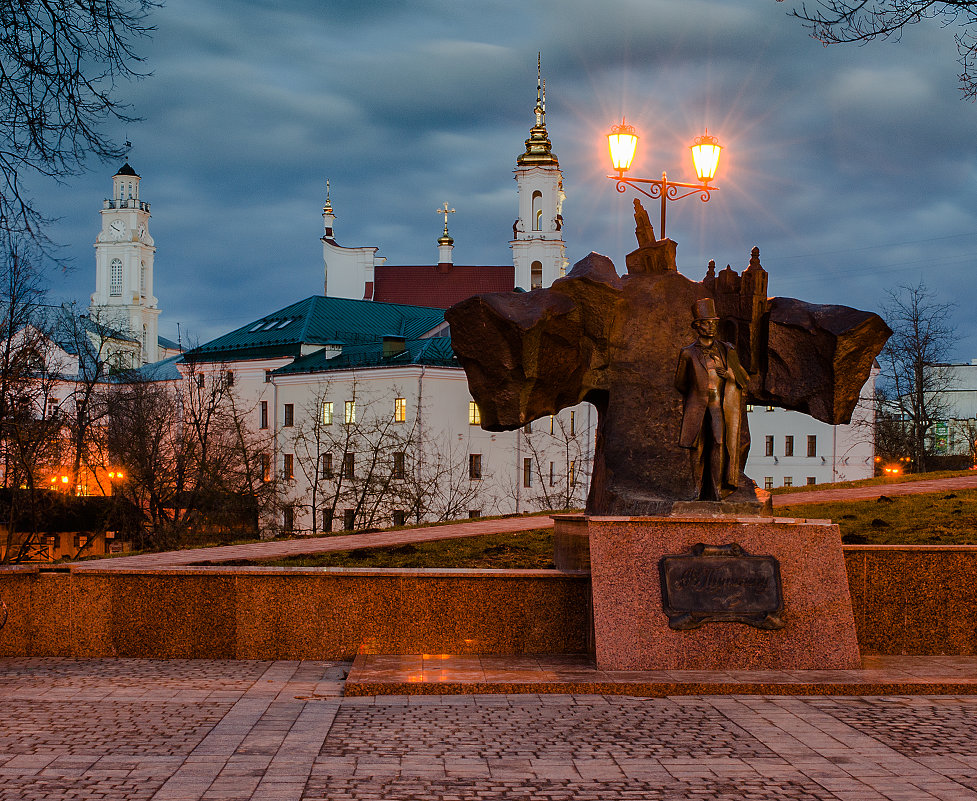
(712, 380)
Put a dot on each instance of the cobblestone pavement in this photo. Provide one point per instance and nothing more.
(281, 731)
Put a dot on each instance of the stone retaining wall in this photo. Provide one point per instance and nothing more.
(907, 600)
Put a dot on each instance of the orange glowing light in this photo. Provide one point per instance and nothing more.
(705, 156)
(64, 479)
(622, 142)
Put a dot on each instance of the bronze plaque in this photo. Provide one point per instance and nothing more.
(721, 584)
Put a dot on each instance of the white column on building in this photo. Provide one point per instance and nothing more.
(124, 253)
(538, 249)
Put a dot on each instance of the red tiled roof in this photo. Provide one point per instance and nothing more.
(437, 286)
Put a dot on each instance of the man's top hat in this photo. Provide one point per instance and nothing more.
(704, 309)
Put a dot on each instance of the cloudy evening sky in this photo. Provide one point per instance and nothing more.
(852, 168)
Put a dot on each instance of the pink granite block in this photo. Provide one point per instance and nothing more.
(632, 631)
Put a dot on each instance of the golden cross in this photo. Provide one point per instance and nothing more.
(445, 211)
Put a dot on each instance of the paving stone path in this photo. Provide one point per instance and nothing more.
(185, 730)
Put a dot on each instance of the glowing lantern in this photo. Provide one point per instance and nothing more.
(622, 142)
(705, 157)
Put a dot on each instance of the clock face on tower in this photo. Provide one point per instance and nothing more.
(118, 230)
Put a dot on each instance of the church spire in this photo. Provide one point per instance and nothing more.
(539, 149)
(328, 217)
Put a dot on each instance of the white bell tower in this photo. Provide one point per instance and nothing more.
(538, 250)
(124, 250)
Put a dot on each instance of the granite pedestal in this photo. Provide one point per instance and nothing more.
(632, 630)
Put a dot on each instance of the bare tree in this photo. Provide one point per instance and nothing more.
(914, 364)
(59, 66)
(555, 452)
(846, 21)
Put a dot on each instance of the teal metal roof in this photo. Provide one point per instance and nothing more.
(319, 320)
(434, 351)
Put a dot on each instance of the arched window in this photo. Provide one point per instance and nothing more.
(537, 210)
(536, 275)
(115, 278)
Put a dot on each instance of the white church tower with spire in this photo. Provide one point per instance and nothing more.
(124, 250)
(347, 272)
(538, 249)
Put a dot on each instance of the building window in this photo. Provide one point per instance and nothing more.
(264, 414)
(400, 410)
(788, 481)
(200, 382)
(573, 423)
(349, 519)
(349, 416)
(267, 376)
(528, 428)
(552, 423)
(52, 408)
(552, 473)
(811, 481)
(536, 275)
(812, 445)
(325, 413)
(474, 513)
(327, 519)
(770, 408)
(537, 210)
(474, 414)
(474, 466)
(768, 445)
(289, 415)
(749, 407)
(229, 376)
(768, 482)
(115, 279)
(527, 472)
(788, 445)
(399, 517)
(349, 464)
(325, 465)
(571, 473)
(400, 466)
(288, 524)
(288, 466)
(264, 460)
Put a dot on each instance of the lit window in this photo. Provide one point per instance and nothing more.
(812, 445)
(264, 460)
(474, 466)
(399, 466)
(571, 480)
(788, 445)
(573, 424)
(768, 482)
(749, 407)
(115, 278)
(289, 415)
(400, 410)
(552, 423)
(527, 472)
(768, 445)
(326, 413)
(770, 408)
(474, 414)
(288, 467)
(350, 413)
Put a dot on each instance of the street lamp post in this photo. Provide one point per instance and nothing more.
(622, 142)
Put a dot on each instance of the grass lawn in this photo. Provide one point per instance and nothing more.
(524, 550)
(942, 518)
(872, 482)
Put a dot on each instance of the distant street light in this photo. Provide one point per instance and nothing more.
(622, 143)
